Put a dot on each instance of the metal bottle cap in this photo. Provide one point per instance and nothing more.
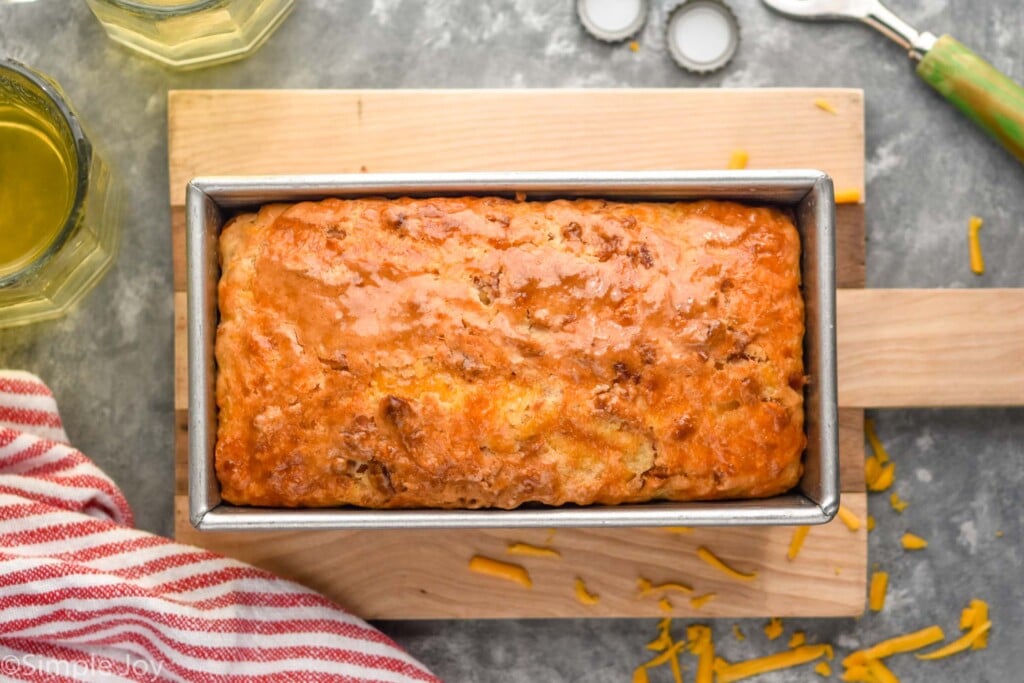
(702, 35)
(612, 20)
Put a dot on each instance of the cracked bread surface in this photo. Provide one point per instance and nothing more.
(482, 352)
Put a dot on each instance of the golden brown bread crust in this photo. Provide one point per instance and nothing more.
(480, 352)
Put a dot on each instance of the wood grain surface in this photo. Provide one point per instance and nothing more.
(423, 574)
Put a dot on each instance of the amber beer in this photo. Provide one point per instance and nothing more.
(57, 201)
(186, 34)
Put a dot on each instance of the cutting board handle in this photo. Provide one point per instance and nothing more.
(903, 348)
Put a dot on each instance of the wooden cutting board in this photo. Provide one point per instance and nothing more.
(423, 574)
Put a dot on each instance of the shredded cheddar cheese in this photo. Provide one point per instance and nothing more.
(664, 605)
(634, 46)
(882, 478)
(583, 595)
(848, 518)
(701, 644)
(796, 542)
(876, 444)
(664, 640)
(876, 594)
(709, 557)
(980, 608)
(848, 196)
(838, 570)
(677, 529)
(823, 669)
(699, 601)
(897, 503)
(974, 244)
(887, 648)
(669, 650)
(859, 674)
(646, 587)
(531, 550)
(879, 471)
(871, 522)
(880, 672)
(967, 617)
(501, 570)
(780, 660)
(738, 159)
(960, 644)
(825, 105)
(797, 639)
(737, 633)
(913, 542)
(773, 629)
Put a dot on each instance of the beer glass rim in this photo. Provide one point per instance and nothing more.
(81, 149)
(154, 8)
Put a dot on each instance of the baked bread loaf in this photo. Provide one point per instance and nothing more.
(483, 352)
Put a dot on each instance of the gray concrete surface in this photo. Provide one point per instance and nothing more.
(928, 170)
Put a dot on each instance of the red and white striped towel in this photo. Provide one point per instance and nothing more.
(83, 596)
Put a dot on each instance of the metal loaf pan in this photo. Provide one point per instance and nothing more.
(210, 201)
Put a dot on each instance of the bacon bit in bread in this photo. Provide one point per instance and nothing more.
(797, 639)
(913, 542)
(773, 629)
(848, 196)
(823, 669)
(500, 570)
(583, 595)
(974, 244)
(699, 601)
(898, 504)
(532, 550)
(520, 196)
(876, 594)
(780, 660)
(796, 542)
(825, 105)
(738, 159)
(709, 557)
(737, 633)
(905, 643)
(848, 518)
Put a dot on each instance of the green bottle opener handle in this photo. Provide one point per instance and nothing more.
(978, 89)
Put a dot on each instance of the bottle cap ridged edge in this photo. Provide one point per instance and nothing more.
(696, 67)
(611, 36)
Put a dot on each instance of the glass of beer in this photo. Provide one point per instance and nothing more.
(186, 34)
(58, 203)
